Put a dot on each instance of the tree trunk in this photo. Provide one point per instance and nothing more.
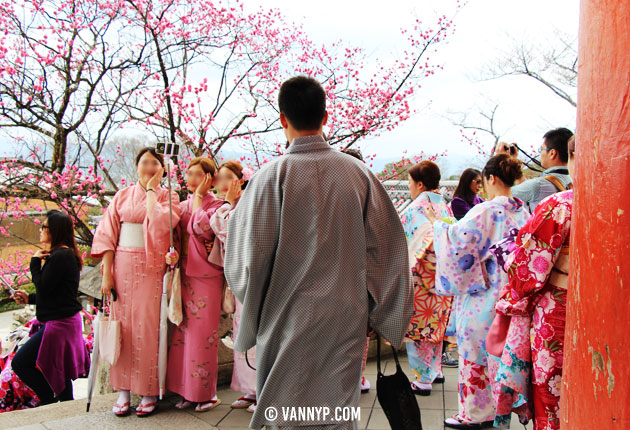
(59, 149)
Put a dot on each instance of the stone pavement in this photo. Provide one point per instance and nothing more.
(72, 415)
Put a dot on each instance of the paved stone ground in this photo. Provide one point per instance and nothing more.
(72, 415)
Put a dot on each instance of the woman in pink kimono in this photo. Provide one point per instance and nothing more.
(231, 180)
(133, 238)
(193, 360)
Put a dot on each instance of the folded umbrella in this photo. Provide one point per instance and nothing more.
(94, 362)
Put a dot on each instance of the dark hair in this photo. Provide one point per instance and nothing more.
(504, 167)
(426, 172)
(151, 151)
(61, 231)
(558, 139)
(463, 190)
(303, 101)
(236, 168)
(353, 153)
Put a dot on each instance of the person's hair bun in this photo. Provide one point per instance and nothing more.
(504, 167)
(511, 168)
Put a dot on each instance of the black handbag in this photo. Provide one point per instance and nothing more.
(395, 396)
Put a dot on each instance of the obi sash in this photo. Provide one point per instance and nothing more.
(131, 235)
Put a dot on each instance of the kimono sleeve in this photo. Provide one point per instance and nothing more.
(200, 223)
(460, 250)
(157, 226)
(387, 267)
(252, 238)
(539, 244)
(108, 230)
(178, 235)
(219, 221)
(219, 224)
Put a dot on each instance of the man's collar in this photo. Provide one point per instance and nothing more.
(308, 143)
(555, 168)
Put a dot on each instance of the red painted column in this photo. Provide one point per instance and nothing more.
(596, 382)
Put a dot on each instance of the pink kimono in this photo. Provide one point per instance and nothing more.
(193, 356)
(138, 272)
(243, 376)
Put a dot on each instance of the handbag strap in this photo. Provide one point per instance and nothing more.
(378, 354)
(112, 309)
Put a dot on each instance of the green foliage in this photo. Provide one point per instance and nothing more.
(8, 304)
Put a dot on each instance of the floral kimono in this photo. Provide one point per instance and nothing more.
(534, 300)
(467, 269)
(431, 311)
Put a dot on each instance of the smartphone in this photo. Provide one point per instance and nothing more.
(168, 149)
(8, 285)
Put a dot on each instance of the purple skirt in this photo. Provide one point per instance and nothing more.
(63, 354)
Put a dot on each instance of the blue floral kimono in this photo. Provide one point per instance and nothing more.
(466, 269)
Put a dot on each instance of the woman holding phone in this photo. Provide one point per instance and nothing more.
(133, 239)
(56, 354)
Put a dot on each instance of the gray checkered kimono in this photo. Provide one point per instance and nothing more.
(315, 252)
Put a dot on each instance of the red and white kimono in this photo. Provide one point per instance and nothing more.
(535, 302)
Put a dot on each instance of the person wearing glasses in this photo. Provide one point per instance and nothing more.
(56, 354)
(554, 156)
(466, 194)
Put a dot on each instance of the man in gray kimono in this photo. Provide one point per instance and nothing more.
(317, 255)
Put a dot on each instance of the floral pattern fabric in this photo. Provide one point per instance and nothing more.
(467, 269)
(531, 361)
(475, 395)
(431, 311)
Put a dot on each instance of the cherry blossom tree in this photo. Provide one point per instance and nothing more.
(74, 73)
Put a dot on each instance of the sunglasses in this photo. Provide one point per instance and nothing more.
(541, 149)
(478, 181)
(43, 227)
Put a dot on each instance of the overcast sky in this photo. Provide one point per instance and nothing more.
(484, 29)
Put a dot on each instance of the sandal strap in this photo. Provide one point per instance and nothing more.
(460, 420)
(247, 399)
(211, 404)
(148, 405)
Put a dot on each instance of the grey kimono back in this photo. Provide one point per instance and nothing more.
(315, 252)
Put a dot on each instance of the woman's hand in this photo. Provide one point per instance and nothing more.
(107, 285)
(172, 258)
(208, 244)
(155, 179)
(20, 297)
(234, 192)
(205, 185)
(41, 253)
(429, 212)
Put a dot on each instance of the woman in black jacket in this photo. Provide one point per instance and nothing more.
(56, 353)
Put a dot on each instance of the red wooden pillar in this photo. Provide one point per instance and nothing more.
(596, 382)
